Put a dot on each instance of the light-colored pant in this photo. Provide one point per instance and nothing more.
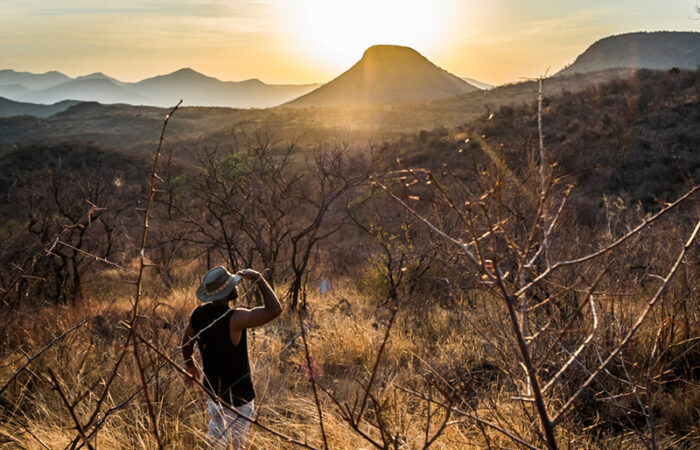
(226, 428)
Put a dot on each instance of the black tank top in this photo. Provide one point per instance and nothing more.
(226, 366)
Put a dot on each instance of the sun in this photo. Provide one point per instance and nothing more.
(338, 31)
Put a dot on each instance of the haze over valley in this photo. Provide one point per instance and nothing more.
(196, 88)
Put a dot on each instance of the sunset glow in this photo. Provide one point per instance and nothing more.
(304, 41)
(338, 31)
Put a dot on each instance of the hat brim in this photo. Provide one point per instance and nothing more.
(225, 292)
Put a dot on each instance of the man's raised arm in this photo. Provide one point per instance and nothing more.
(255, 317)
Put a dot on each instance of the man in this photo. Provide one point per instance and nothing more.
(220, 332)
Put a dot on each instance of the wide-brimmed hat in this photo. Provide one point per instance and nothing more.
(218, 283)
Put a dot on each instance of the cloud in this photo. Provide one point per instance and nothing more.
(579, 23)
(193, 8)
(149, 23)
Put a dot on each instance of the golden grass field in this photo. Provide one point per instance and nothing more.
(345, 327)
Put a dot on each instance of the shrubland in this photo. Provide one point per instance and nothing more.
(455, 287)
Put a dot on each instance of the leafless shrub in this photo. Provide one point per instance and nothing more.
(553, 297)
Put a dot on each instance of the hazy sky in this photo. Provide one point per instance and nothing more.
(299, 41)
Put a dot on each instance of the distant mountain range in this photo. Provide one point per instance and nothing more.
(659, 50)
(394, 74)
(193, 87)
(387, 74)
(384, 74)
(32, 81)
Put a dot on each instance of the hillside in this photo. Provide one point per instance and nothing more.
(123, 126)
(9, 108)
(640, 136)
(659, 50)
(386, 74)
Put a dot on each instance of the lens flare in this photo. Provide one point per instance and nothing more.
(339, 31)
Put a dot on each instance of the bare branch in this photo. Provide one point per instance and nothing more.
(612, 246)
(473, 417)
(78, 426)
(564, 409)
(142, 266)
(312, 379)
(376, 364)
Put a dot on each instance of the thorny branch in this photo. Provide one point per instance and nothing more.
(142, 266)
(71, 409)
(312, 378)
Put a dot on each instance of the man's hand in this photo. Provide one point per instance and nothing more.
(249, 274)
(192, 375)
(255, 317)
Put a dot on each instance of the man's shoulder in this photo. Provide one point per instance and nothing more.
(238, 312)
(197, 310)
(198, 313)
(201, 307)
(238, 318)
(207, 313)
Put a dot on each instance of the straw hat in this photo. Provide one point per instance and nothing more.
(218, 283)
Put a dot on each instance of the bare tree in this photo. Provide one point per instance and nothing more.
(54, 199)
(268, 203)
(524, 256)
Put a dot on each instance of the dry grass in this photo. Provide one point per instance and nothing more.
(461, 344)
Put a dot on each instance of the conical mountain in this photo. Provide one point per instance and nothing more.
(386, 74)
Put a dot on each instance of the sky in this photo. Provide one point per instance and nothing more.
(304, 41)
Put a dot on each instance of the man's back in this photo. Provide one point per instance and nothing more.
(226, 366)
